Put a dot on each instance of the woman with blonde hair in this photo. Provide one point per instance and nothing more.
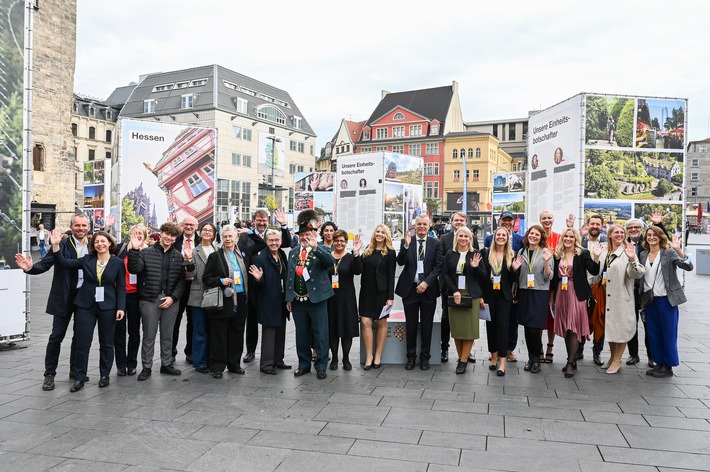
(463, 274)
(570, 291)
(498, 293)
(376, 291)
(619, 269)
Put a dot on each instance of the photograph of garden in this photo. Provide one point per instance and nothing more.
(610, 121)
(614, 212)
(629, 175)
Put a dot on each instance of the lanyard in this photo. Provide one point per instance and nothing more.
(235, 264)
(497, 266)
(531, 266)
(566, 267)
(83, 246)
(100, 269)
(335, 266)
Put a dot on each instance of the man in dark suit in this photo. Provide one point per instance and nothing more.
(419, 288)
(185, 242)
(60, 303)
(261, 224)
(458, 220)
(308, 288)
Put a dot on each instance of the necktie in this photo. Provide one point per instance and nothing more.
(187, 243)
(421, 250)
(299, 269)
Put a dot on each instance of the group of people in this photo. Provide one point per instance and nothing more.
(569, 285)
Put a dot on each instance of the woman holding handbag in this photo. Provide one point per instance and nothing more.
(464, 274)
(661, 295)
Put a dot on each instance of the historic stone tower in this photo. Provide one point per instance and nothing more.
(53, 157)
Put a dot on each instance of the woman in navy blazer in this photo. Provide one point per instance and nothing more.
(102, 297)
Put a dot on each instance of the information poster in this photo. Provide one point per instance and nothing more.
(509, 195)
(315, 190)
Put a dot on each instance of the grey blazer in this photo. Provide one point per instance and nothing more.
(669, 261)
(197, 288)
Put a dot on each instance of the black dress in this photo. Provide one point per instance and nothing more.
(342, 307)
(376, 283)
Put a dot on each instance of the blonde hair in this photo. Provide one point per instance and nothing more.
(560, 249)
(507, 250)
(609, 231)
(467, 231)
(373, 244)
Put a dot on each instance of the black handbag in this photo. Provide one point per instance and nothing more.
(646, 298)
(466, 301)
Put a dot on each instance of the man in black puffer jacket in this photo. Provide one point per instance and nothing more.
(161, 281)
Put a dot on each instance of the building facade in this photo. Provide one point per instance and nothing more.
(697, 178)
(343, 143)
(250, 117)
(512, 134)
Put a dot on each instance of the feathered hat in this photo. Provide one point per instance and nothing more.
(307, 220)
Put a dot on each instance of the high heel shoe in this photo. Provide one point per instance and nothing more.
(614, 367)
(568, 375)
(547, 357)
(376, 365)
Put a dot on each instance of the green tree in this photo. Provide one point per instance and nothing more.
(128, 218)
(599, 182)
(663, 188)
(655, 124)
(625, 125)
(596, 118)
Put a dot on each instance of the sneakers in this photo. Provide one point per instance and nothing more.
(48, 383)
(169, 370)
(145, 373)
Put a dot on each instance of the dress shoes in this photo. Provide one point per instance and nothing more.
(282, 366)
(410, 364)
(424, 364)
(444, 356)
(131, 371)
(72, 376)
(651, 364)
(528, 365)
(614, 367)
(347, 365)
(188, 358)
(78, 385)
(238, 371)
(471, 358)
(169, 370)
(203, 370)
(216, 375)
(268, 370)
(322, 374)
(375, 365)
(48, 383)
(461, 367)
(103, 382)
(632, 360)
(300, 372)
(249, 357)
(535, 366)
(334, 364)
(653, 369)
(145, 373)
(598, 359)
(663, 371)
(121, 372)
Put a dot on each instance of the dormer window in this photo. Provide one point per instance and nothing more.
(186, 101)
(297, 122)
(366, 135)
(92, 111)
(434, 128)
(108, 114)
(398, 116)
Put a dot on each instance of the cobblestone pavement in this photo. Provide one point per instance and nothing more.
(387, 419)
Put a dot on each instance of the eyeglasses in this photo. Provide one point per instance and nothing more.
(633, 227)
(339, 241)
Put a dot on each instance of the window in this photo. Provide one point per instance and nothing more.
(163, 88)
(38, 157)
(694, 162)
(222, 192)
(381, 133)
(108, 154)
(197, 83)
(299, 169)
(92, 154)
(74, 129)
(694, 191)
(478, 153)
(415, 149)
(495, 130)
(92, 132)
(292, 168)
(366, 149)
(434, 129)
(292, 145)
(415, 130)
(399, 149)
(246, 134)
(109, 115)
(457, 175)
(455, 154)
(301, 147)
(246, 194)
(186, 101)
(149, 106)
(511, 132)
(431, 169)
(431, 189)
(108, 135)
(398, 131)
(92, 111)
(76, 107)
(468, 174)
(463, 154)
(398, 116)
(297, 122)
(432, 149)
(313, 149)
(381, 148)
(694, 176)
(470, 153)
(272, 114)
(197, 185)
(242, 105)
(209, 170)
(525, 130)
(246, 160)
(703, 148)
(476, 174)
(183, 84)
(237, 132)
(236, 159)
(366, 134)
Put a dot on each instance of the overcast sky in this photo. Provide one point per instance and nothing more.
(335, 58)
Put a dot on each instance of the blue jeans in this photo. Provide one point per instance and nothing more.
(662, 326)
(199, 337)
(42, 248)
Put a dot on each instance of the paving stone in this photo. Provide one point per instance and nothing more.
(233, 457)
(448, 405)
(674, 401)
(302, 442)
(268, 423)
(549, 449)
(20, 437)
(207, 417)
(373, 433)
(695, 412)
(101, 423)
(221, 434)
(445, 421)
(167, 429)
(695, 424)
(298, 461)
(454, 440)
(656, 458)
(574, 404)
(356, 399)
(406, 402)
(17, 461)
(665, 439)
(657, 410)
(37, 416)
(406, 452)
(398, 392)
(613, 418)
(343, 413)
(533, 412)
(62, 445)
(517, 462)
(593, 466)
(77, 465)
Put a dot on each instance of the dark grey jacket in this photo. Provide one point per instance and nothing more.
(669, 261)
(148, 265)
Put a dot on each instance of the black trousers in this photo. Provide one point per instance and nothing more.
(188, 329)
(273, 341)
(497, 328)
(634, 342)
(534, 342)
(132, 321)
(252, 335)
(445, 326)
(54, 344)
(419, 316)
(227, 341)
(85, 321)
(513, 327)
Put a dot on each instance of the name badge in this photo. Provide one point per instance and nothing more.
(132, 279)
(99, 296)
(565, 283)
(420, 267)
(604, 277)
(282, 286)
(306, 275)
(237, 279)
(335, 280)
(496, 282)
(531, 280)
(462, 282)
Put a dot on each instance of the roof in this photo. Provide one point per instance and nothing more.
(213, 87)
(94, 108)
(354, 129)
(460, 134)
(119, 97)
(432, 103)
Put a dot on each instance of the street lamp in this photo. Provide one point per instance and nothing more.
(273, 140)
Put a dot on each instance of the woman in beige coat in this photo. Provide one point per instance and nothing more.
(620, 267)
